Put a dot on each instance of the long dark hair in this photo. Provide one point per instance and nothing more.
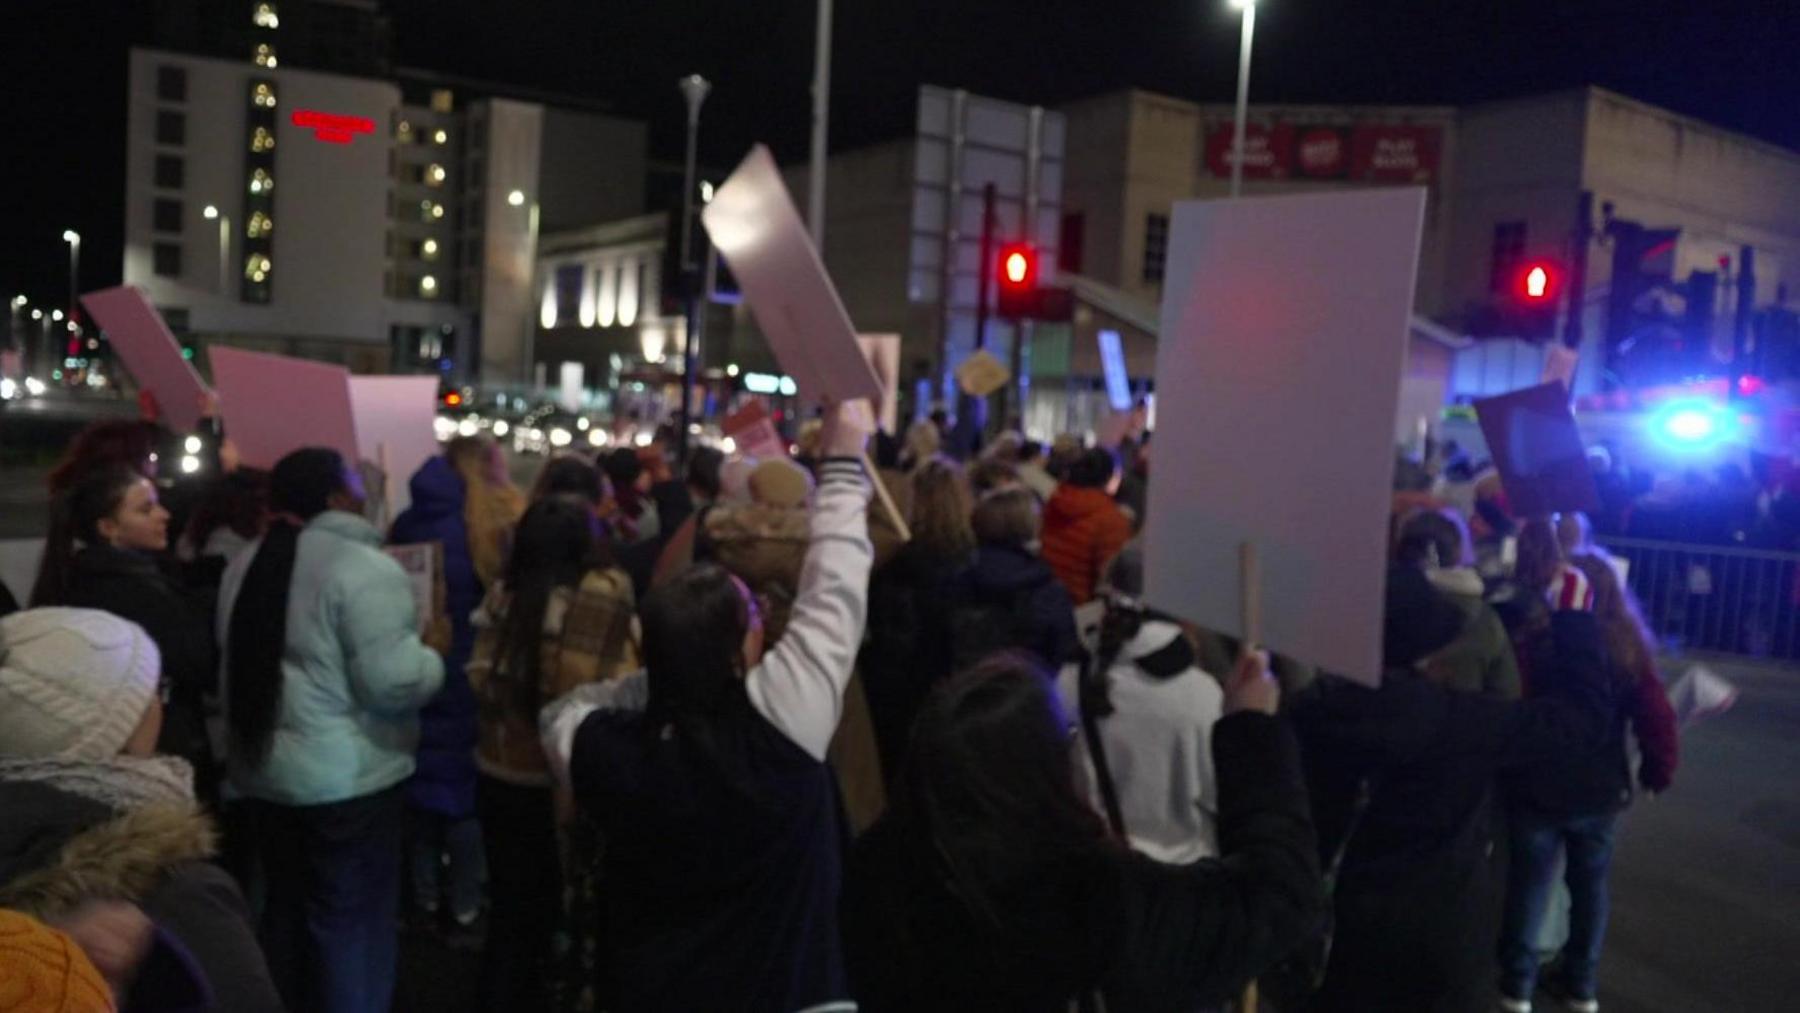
(300, 488)
(987, 795)
(694, 629)
(570, 475)
(75, 518)
(1121, 621)
(557, 541)
(130, 442)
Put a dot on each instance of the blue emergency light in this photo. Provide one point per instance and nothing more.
(1691, 425)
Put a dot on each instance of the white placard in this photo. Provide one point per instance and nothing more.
(570, 389)
(394, 417)
(1112, 362)
(1284, 328)
(1421, 399)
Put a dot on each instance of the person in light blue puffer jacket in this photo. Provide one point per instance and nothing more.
(325, 673)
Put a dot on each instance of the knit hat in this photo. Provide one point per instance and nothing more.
(1418, 620)
(43, 971)
(74, 683)
(780, 483)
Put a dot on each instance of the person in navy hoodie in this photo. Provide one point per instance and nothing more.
(463, 499)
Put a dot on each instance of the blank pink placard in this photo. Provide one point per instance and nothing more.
(274, 404)
(753, 223)
(150, 353)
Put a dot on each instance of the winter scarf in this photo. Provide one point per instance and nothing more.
(122, 783)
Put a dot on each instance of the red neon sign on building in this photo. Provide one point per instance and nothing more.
(332, 128)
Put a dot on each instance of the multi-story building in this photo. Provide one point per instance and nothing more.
(385, 222)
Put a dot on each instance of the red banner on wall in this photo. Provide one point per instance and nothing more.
(1321, 152)
(1268, 151)
(1395, 154)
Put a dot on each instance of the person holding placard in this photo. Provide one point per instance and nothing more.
(325, 674)
(707, 775)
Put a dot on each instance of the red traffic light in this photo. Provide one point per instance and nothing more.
(453, 399)
(1538, 281)
(1018, 266)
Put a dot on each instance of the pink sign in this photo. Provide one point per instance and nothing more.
(753, 223)
(274, 404)
(754, 432)
(150, 352)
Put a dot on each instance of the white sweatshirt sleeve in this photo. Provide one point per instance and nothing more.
(799, 686)
(561, 719)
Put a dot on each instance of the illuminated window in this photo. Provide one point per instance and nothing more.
(428, 286)
(260, 225)
(265, 17)
(263, 95)
(442, 101)
(432, 209)
(429, 249)
(403, 131)
(265, 55)
(441, 137)
(261, 181)
(435, 174)
(261, 139)
(258, 267)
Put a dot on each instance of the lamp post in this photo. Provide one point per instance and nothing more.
(209, 214)
(694, 89)
(815, 183)
(73, 238)
(1243, 93)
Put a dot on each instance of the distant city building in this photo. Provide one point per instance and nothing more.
(390, 223)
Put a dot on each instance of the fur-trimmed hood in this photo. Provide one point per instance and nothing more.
(58, 849)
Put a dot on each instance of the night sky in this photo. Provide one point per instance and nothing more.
(1734, 62)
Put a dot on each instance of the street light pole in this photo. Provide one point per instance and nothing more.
(209, 214)
(1243, 94)
(815, 183)
(694, 88)
(73, 238)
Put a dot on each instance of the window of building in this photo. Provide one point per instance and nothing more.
(262, 139)
(165, 215)
(442, 100)
(1069, 242)
(171, 127)
(403, 131)
(1509, 250)
(259, 225)
(169, 171)
(171, 84)
(265, 55)
(166, 259)
(1156, 247)
(265, 16)
(261, 182)
(262, 94)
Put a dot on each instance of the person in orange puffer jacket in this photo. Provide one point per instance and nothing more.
(1083, 528)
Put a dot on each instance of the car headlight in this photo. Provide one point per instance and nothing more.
(34, 386)
(500, 427)
(596, 437)
(7, 388)
(559, 437)
(467, 427)
(189, 463)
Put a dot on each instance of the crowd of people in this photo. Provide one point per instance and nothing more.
(730, 738)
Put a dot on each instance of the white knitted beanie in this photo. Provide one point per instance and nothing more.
(74, 683)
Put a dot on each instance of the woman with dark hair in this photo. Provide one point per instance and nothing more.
(325, 675)
(1480, 659)
(130, 442)
(561, 617)
(992, 885)
(707, 776)
(105, 532)
(1571, 805)
(570, 475)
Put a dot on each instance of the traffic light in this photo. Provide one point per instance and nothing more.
(1017, 277)
(1536, 297)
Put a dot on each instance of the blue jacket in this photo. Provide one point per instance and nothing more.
(445, 782)
(354, 672)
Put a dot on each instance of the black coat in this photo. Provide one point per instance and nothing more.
(1417, 901)
(908, 647)
(129, 585)
(1033, 608)
(1102, 919)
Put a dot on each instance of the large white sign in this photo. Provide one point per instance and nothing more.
(1284, 327)
(394, 416)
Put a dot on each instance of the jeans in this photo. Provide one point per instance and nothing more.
(333, 892)
(432, 838)
(1588, 844)
(525, 869)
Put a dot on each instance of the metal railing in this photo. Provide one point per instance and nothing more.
(1716, 598)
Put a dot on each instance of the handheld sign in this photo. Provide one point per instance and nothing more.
(753, 223)
(394, 416)
(274, 404)
(754, 433)
(150, 352)
(982, 374)
(1538, 450)
(1112, 363)
(883, 351)
(1283, 335)
(1559, 365)
(424, 566)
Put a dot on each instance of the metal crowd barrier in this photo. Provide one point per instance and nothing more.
(1716, 598)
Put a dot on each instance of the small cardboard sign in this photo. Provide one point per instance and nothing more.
(982, 374)
(753, 223)
(754, 432)
(424, 566)
(1538, 451)
(150, 353)
(274, 404)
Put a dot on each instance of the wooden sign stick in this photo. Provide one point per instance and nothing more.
(886, 498)
(1250, 596)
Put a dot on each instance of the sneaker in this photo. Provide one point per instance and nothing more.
(1571, 1000)
(1510, 1005)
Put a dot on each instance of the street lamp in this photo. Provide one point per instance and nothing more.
(694, 88)
(209, 213)
(1243, 93)
(73, 238)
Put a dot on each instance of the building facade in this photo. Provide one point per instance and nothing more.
(387, 223)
